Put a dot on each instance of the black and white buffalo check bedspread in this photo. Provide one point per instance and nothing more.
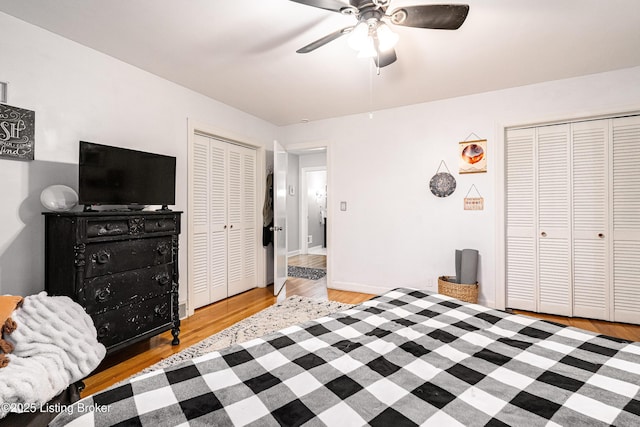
(401, 359)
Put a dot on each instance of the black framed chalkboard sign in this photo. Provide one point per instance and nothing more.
(17, 133)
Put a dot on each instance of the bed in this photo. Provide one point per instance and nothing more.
(407, 357)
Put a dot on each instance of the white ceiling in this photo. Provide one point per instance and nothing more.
(242, 52)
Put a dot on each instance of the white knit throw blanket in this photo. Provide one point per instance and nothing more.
(55, 345)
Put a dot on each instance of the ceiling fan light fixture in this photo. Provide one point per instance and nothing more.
(387, 39)
(368, 50)
(359, 37)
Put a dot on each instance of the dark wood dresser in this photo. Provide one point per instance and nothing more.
(122, 267)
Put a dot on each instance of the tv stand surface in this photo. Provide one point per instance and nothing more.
(130, 208)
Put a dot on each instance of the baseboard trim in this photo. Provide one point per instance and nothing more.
(294, 253)
(377, 290)
(359, 287)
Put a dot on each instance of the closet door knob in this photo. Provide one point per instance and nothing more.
(601, 235)
(543, 234)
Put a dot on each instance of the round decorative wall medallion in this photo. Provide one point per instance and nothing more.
(442, 184)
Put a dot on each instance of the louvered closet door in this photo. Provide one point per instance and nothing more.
(242, 220)
(199, 244)
(626, 219)
(209, 240)
(591, 274)
(554, 221)
(223, 247)
(218, 220)
(521, 220)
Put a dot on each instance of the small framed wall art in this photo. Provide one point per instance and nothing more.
(473, 203)
(17, 132)
(473, 156)
(442, 184)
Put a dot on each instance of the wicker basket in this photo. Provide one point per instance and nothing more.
(461, 291)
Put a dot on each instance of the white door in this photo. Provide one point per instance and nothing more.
(626, 219)
(584, 259)
(217, 258)
(591, 275)
(521, 269)
(279, 219)
(222, 225)
(241, 227)
(554, 221)
(200, 243)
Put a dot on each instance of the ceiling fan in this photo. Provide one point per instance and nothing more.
(372, 37)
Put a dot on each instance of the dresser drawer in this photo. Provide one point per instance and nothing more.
(112, 227)
(115, 257)
(103, 293)
(133, 320)
(160, 225)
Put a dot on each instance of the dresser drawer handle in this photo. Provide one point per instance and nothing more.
(103, 294)
(104, 330)
(102, 257)
(163, 248)
(163, 279)
(161, 310)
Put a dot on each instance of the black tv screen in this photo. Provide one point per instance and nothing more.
(119, 176)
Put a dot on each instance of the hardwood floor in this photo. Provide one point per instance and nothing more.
(209, 320)
(313, 261)
(220, 315)
(625, 331)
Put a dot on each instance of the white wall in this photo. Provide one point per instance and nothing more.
(80, 94)
(395, 232)
(316, 184)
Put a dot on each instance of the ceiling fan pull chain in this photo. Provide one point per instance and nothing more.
(370, 91)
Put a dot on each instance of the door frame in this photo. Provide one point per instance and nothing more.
(195, 127)
(331, 210)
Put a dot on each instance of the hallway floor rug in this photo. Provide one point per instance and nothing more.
(306, 272)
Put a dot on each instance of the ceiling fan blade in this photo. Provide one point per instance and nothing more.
(332, 5)
(385, 58)
(434, 16)
(324, 40)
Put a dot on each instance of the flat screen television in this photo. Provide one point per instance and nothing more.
(120, 176)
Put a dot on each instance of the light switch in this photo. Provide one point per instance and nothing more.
(343, 206)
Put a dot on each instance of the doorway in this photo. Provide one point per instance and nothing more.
(313, 210)
(307, 219)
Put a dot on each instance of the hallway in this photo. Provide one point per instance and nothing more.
(306, 287)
